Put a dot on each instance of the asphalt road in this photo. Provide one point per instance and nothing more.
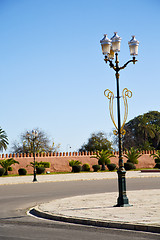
(15, 200)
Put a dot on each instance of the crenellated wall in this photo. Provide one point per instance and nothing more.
(60, 161)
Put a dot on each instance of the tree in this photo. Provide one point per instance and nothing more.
(6, 163)
(145, 128)
(42, 143)
(143, 132)
(97, 142)
(103, 157)
(156, 139)
(3, 140)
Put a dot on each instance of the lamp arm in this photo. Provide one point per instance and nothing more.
(125, 65)
(110, 63)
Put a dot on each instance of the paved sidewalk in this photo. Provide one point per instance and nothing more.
(74, 177)
(99, 210)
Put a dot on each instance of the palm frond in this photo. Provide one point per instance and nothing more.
(3, 140)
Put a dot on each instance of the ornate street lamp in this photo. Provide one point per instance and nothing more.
(33, 137)
(109, 48)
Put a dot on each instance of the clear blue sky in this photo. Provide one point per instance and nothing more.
(52, 70)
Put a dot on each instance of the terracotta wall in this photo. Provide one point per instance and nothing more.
(60, 161)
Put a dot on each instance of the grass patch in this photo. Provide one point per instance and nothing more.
(56, 173)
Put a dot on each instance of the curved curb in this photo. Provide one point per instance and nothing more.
(93, 222)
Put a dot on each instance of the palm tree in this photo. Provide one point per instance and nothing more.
(73, 163)
(103, 157)
(3, 140)
(145, 128)
(6, 163)
(157, 135)
(132, 155)
(156, 156)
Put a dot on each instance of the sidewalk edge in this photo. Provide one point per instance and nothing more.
(93, 222)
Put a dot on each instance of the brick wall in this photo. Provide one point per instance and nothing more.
(60, 161)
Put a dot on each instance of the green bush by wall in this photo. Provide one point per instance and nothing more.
(22, 171)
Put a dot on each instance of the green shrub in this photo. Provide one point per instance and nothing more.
(96, 168)
(157, 161)
(47, 164)
(101, 162)
(2, 170)
(76, 168)
(157, 165)
(156, 156)
(129, 166)
(44, 164)
(40, 164)
(22, 171)
(111, 166)
(86, 167)
(10, 169)
(40, 170)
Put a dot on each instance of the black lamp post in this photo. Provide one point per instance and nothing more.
(109, 49)
(33, 137)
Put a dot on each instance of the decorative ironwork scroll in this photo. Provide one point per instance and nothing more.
(110, 95)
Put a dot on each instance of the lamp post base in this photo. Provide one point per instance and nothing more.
(34, 180)
(34, 176)
(122, 200)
